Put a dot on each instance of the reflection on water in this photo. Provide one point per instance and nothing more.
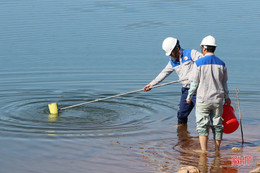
(160, 155)
(208, 164)
(53, 117)
(69, 52)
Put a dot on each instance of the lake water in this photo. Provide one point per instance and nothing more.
(69, 52)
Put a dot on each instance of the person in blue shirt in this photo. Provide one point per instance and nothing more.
(181, 61)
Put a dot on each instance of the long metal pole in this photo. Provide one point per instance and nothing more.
(131, 92)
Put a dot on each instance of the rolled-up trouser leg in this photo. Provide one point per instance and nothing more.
(216, 117)
(203, 118)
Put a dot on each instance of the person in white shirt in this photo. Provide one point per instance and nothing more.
(181, 61)
(209, 78)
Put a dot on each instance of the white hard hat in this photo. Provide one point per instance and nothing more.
(208, 41)
(168, 45)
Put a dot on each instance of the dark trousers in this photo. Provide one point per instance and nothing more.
(184, 107)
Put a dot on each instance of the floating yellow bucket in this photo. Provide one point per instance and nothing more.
(53, 108)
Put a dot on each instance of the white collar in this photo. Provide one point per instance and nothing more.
(208, 54)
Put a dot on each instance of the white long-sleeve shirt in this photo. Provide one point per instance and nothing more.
(183, 69)
(209, 77)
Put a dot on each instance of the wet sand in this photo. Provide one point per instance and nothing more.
(165, 156)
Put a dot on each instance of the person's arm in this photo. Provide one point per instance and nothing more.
(225, 86)
(162, 75)
(192, 90)
(226, 92)
(195, 55)
(195, 79)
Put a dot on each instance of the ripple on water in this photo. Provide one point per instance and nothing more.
(28, 116)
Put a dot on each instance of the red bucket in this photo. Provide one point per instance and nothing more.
(230, 122)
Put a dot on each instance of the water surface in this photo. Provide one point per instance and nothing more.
(72, 52)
